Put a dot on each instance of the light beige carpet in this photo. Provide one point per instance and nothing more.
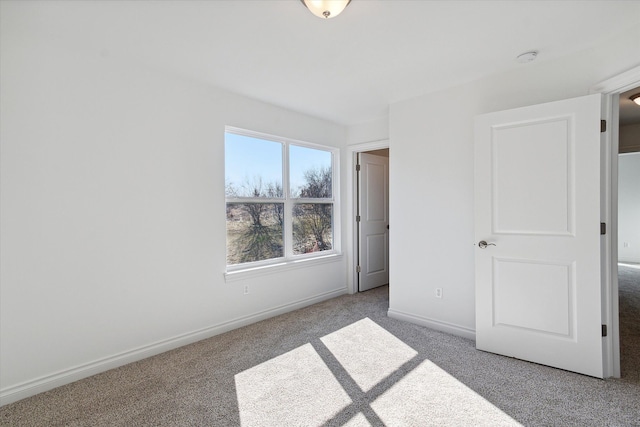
(343, 363)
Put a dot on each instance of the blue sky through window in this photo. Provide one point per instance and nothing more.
(248, 159)
(302, 159)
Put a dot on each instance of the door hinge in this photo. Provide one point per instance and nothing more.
(604, 330)
(357, 269)
(357, 218)
(603, 125)
(357, 168)
(603, 228)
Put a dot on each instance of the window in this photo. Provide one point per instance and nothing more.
(280, 199)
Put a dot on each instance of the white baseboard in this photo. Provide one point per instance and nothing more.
(39, 385)
(629, 260)
(438, 325)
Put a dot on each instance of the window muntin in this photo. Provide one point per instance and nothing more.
(279, 198)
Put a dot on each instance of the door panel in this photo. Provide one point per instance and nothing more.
(538, 283)
(532, 178)
(374, 220)
(524, 288)
(376, 253)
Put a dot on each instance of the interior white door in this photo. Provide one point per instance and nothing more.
(537, 201)
(373, 190)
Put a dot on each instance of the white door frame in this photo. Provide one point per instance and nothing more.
(351, 225)
(611, 89)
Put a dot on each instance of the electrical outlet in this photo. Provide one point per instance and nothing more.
(625, 244)
(246, 290)
(438, 292)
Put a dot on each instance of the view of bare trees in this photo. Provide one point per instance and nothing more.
(255, 229)
(312, 221)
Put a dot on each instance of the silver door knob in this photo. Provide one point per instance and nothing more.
(483, 244)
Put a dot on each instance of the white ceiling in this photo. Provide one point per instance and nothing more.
(347, 69)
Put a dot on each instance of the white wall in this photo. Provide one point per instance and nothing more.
(629, 138)
(375, 130)
(431, 176)
(629, 207)
(113, 213)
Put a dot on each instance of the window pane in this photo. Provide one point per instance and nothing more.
(312, 227)
(253, 167)
(254, 232)
(309, 172)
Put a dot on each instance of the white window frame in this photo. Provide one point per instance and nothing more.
(289, 260)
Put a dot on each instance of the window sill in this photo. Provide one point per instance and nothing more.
(248, 273)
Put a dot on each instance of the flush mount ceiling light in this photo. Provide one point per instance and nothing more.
(635, 98)
(326, 8)
(527, 56)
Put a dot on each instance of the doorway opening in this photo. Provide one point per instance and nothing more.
(611, 89)
(372, 218)
(628, 259)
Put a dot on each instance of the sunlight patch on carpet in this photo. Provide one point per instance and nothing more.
(432, 397)
(296, 388)
(384, 379)
(368, 352)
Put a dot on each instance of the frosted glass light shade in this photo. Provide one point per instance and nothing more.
(326, 8)
(636, 98)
